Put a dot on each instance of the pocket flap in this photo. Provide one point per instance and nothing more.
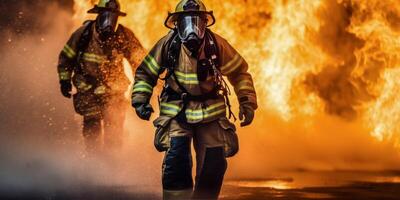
(226, 124)
(162, 121)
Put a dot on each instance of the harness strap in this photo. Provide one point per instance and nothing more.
(173, 48)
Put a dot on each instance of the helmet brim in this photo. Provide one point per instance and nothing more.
(97, 10)
(173, 17)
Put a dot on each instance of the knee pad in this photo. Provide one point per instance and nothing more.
(177, 172)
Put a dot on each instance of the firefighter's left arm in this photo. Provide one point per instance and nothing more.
(236, 69)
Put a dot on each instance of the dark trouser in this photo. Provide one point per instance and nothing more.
(109, 120)
(210, 158)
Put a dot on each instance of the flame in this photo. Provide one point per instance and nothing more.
(338, 57)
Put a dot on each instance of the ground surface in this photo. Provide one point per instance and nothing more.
(296, 186)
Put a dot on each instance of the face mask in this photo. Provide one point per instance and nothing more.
(106, 23)
(191, 31)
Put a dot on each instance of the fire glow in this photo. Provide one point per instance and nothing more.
(339, 57)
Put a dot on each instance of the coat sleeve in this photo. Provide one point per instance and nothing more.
(133, 50)
(67, 57)
(236, 68)
(147, 74)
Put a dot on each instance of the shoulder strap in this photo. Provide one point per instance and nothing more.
(171, 51)
(211, 48)
(86, 36)
(83, 42)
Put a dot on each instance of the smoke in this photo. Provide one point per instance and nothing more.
(334, 84)
(41, 146)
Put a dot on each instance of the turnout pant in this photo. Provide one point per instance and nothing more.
(209, 142)
(107, 118)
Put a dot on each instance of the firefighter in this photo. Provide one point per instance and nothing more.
(194, 103)
(92, 60)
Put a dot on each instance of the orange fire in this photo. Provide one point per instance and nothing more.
(339, 57)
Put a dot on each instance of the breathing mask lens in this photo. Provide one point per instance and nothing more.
(107, 23)
(191, 27)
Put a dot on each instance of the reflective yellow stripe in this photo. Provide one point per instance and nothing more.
(207, 109)
(142, 86)
(210, 111)
(143, 83)
(103, 3)
(64, 76)
(169, 105)
(245, 85)
(92, 113)
(188, 79)
(198, 114)
(152, 64)
(93, 58)
(83, 86)
(188, 82)
(100, 90)
(69, 52)
(187, 76)
(170, 109)
(232, 65)
(142, 90)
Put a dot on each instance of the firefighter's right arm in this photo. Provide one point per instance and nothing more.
(67, 57)
(147, 74)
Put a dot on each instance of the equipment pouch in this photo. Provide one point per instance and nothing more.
(162, 138)
(231, 140)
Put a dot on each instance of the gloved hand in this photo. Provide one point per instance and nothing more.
(144, 111)
(246, 114)
(66, 88)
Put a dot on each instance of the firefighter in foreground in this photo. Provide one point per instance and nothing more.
(194, 103)
(92, 60)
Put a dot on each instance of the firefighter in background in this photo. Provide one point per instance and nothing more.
(92, 60)
(194, 103)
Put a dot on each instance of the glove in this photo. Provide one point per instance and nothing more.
(144, 111)
(246, 114)
(66, 88)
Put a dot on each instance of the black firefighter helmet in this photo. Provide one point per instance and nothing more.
(108, 5)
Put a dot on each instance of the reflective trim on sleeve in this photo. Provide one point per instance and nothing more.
(68, 51)
(245, 85)
(169, 109)
(232, 65)
(142, 86)
(64, 76)
(152, 64)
